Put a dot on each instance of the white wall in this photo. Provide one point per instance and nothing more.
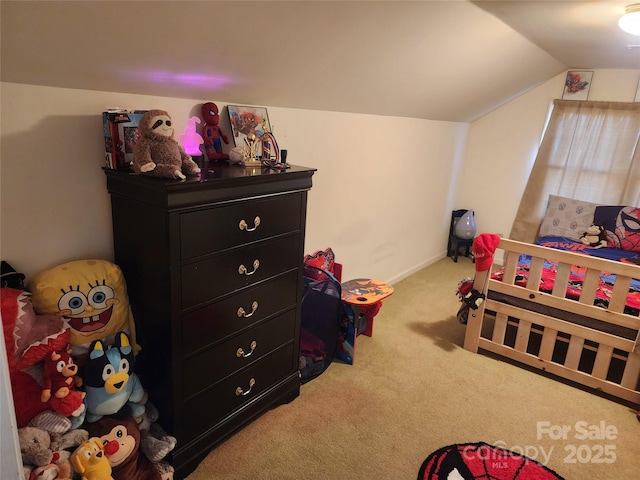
(502, 146)
(379, 199)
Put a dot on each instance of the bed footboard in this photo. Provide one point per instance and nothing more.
(574, 339)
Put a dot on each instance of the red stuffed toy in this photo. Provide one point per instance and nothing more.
(212, 133)
(60, 379)
(29, 338)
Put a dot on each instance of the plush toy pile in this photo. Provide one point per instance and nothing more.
(81, 410)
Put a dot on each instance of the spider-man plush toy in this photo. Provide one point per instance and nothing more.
(212, 133)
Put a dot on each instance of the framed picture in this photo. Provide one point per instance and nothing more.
(637, 99)
(577, 85)
(246, 120)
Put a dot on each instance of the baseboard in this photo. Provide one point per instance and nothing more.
(416, 268)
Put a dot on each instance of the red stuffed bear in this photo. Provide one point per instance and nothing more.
(59, 375)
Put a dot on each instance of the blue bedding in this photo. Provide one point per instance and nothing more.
(564, 243)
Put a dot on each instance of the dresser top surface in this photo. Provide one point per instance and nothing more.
(217, 181)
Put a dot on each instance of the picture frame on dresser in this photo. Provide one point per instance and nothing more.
(245, 120)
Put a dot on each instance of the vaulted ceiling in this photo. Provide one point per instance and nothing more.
(452, 60)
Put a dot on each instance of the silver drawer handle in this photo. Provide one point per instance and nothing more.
(243, 313)
(240, 352)
(242, 270)
(240, 392)
(243, 224)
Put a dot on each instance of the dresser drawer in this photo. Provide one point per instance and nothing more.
(205, 369)
(208, 279)
(205, 410)
(218, 228)
(213, 323)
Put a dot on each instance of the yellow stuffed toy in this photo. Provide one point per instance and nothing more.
(90, 460)
(91, 295)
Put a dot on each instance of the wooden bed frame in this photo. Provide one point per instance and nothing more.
(607, 362)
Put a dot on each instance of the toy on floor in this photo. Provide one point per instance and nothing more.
(90, 461)
(51, 422)
(112, 386)
(69, 440)
(29, 339)
(35, 446)
(52, 471)
(96, 307)
(126, 459)
(157, 153)
(60, 375)
(212, 133)
(155, 443)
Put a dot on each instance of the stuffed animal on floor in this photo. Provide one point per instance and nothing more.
(112, 386)
(52, 471)
(595, 236)
(90, 460)
(126, 459)
(68, 441)
(60, 375)
(91, 296)
(155, 442)
(29, 339)
(157, 153)
(35, 446)
(212, 133)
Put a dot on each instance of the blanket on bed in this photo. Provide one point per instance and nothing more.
(577, 275)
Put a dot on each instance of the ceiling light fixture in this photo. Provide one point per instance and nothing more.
(630, 21)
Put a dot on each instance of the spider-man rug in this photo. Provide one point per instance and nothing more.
(481, 461)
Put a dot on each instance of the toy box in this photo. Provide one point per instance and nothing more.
(120, 128)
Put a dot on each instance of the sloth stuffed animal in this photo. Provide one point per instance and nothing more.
(157, 153)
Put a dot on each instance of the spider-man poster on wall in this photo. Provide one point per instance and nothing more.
(247, 120)
(577, 85)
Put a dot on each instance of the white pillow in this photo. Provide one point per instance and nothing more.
(566, 217)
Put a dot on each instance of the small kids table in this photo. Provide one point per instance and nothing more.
(358, 293)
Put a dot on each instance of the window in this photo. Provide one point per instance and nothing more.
(589, 152)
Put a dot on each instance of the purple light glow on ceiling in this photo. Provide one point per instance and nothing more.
(193, 80)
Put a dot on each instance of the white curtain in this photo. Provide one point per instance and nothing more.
(589, 152)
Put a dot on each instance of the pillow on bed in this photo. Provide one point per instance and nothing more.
(566, 217)
(622, 226)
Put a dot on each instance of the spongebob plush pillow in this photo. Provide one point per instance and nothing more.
(91, 295)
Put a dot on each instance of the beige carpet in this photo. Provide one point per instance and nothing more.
(414, 389)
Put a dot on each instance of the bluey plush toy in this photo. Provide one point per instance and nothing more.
(110, 382)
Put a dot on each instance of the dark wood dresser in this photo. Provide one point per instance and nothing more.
(213, 266)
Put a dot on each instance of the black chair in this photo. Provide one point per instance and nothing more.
(456, 243)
